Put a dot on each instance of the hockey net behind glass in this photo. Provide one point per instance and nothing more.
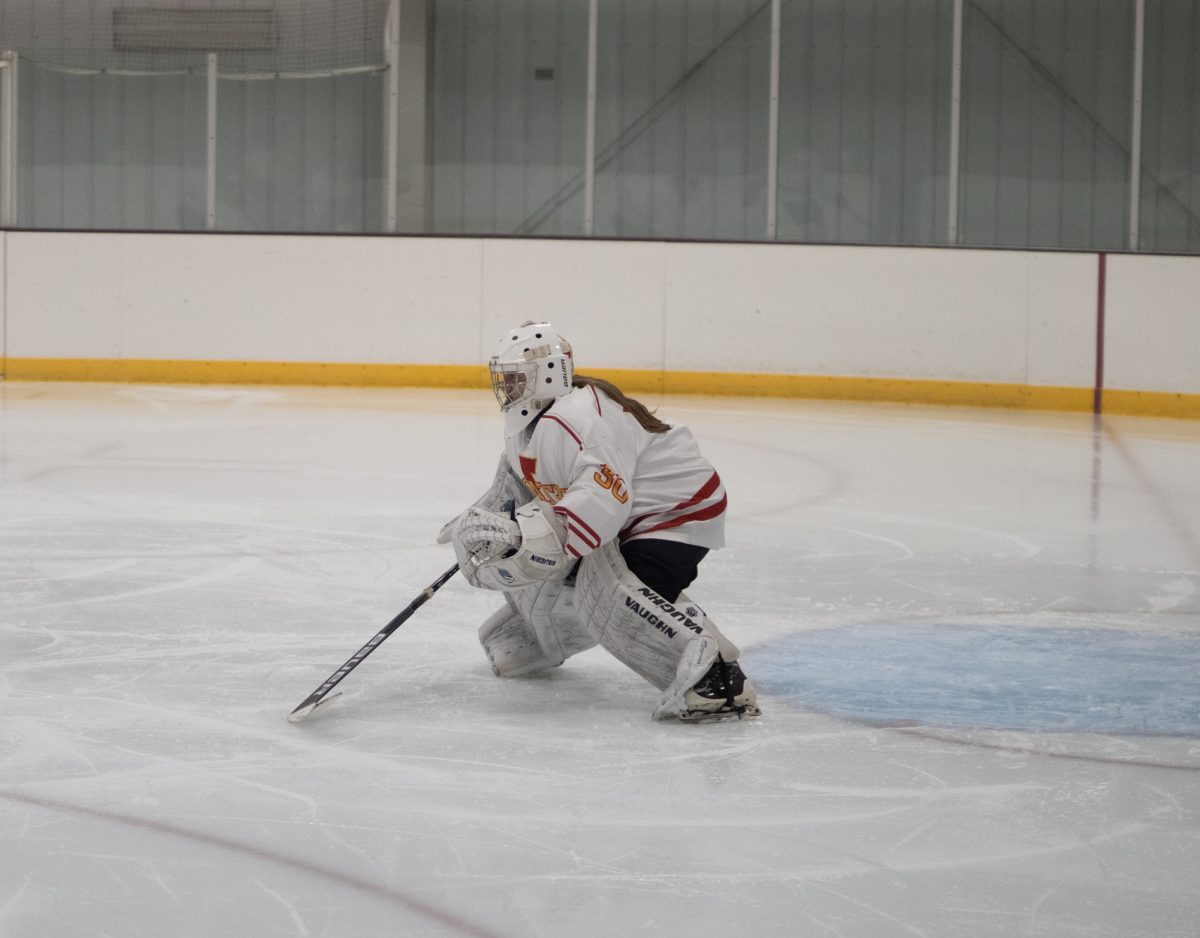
(252, 38)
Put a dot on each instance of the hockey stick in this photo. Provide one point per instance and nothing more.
(317, 697)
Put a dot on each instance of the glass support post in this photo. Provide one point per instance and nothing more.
(589, 150)
(391, 116)
(773, 123)
(210, 161)
(952, 181)
(1135, 121)
(8, 159)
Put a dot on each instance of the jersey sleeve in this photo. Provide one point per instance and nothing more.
(599, 495)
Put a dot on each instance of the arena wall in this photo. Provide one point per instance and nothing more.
(982, 327)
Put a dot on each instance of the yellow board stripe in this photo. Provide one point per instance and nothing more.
(718, 383)
(137, 370)
(1152, 404)
(822, 387)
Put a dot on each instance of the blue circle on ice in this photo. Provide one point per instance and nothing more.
(1050, 679)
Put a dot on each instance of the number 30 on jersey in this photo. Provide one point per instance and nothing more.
(607, 479)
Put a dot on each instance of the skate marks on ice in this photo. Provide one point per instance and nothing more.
(149, 666)
(446, 921)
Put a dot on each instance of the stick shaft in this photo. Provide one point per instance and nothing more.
(314, 699)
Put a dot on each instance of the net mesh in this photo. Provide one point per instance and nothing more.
(252, 38)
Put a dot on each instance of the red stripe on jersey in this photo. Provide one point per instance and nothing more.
(704, 514)
(574, 532)
(596, 395)
(566, 426)
(705, 491)
(579, 527)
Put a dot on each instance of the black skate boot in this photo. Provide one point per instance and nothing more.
(724, 693)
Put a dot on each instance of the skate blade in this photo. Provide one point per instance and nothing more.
(748, 712)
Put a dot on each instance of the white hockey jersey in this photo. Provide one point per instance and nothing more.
(604, 477)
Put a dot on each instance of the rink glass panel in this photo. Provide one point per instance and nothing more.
(681, 124)
(497, 135)
(864, 121)
(508, 116)
(1170, 182)
(1047, 92)
(105, 151)
(128, 152)
(300, 155)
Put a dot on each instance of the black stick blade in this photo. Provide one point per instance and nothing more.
(309, 706)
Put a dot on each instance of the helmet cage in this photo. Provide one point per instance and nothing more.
(513, 382)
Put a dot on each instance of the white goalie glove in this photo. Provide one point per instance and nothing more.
(505, 491)
(481, 537)
(503, 553)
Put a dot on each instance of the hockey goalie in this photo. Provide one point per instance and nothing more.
(593, 527)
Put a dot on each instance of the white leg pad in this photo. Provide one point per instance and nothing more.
(640, 628)
(728, 650)
(512, 646)
(697, 658)
(537, 629)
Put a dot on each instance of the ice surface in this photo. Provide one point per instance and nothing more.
(976, 633)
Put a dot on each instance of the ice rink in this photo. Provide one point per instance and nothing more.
(976, 636)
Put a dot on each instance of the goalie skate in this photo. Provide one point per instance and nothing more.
(723, 693)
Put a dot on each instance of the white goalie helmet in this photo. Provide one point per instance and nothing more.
(531, 367)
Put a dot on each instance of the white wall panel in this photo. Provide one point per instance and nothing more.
(605, 296)
(1061, 318)
(244, 298)
(66, 302)
(3, 302)
(980, 316)
(882, 312)
(1152, 327)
